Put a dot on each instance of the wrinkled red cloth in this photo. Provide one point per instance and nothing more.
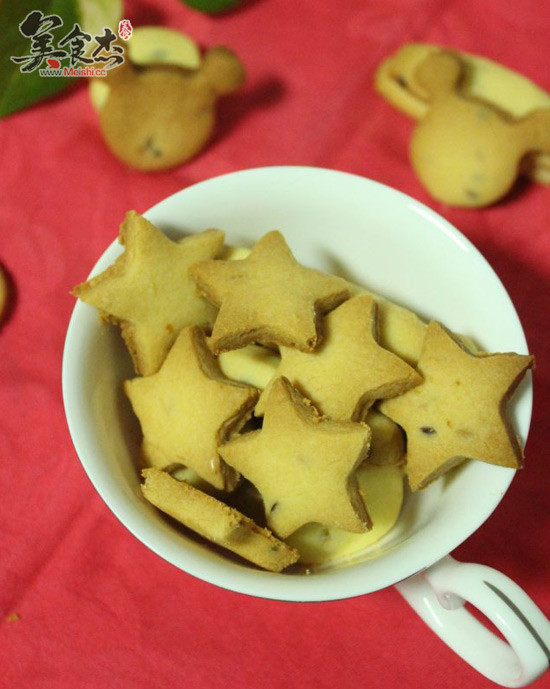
(82, 602)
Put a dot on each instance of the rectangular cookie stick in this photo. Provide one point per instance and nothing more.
(216, 521)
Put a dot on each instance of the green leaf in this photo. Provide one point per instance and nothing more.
(211, 6)
(19, 90)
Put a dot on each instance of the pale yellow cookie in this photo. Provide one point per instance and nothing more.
(95, 16)
(160, 116)
(268, 297)
(480, 126)
(349, 370)
(303, 465)
(147, 290)
(483, 79)
(189, 408)
(467, 152)
(253, 364)
(459, 411)
(216, 522)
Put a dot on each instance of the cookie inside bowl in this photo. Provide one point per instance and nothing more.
(107, 436)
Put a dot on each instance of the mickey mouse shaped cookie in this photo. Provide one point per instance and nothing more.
(159, 116)
(468, 152)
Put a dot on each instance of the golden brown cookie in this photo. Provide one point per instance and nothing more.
(458, 412)
(400, 330)
(160, 116)
(216, 522)
(267, 297)
(147, 290)
(483, 79)
(302, 464)
(467, 152)
(349, 370)
(188, 408)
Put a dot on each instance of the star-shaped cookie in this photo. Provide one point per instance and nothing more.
(302, 464)
(188, 408)
(349, 370)
(267, 297)
(148, 291)
(458, 412)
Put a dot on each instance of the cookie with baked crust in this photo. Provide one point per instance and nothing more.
(267, 297)
(459, 410)
(349, 370)
(214, 520)
(147, 290)
(188, 408)
(303, 464)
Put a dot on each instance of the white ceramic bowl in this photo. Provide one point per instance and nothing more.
(341, 223)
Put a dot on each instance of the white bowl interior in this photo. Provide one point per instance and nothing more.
(363, 231)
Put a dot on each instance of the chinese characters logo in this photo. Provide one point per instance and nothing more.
(85, 55)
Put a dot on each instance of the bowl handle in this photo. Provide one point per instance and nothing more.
(439, 594)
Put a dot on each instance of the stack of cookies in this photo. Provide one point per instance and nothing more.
(280, 406)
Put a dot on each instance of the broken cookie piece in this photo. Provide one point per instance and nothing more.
(216, 521)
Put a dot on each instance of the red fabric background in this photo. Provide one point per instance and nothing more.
(95, 607)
